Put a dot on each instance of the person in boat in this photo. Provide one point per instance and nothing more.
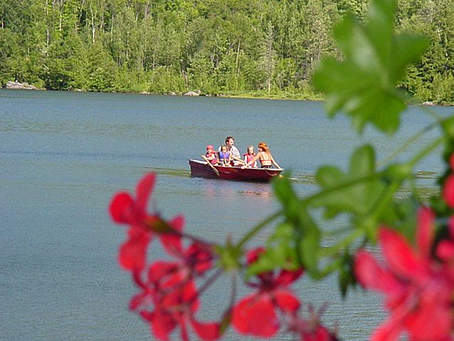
(249, 155)
(264, 156)
(211, 155)
(225, 156)
(234, 152)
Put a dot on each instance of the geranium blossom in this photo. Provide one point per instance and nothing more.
(418, 287)
(256, 314)
(175, 309)
(124, 209)
(167, 277)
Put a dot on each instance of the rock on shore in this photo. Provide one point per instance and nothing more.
(17, 85)
(192, 93)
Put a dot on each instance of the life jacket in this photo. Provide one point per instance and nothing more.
(249, 157)
(209, 156)
(223, 156)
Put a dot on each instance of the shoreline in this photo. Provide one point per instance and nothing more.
(245, 95)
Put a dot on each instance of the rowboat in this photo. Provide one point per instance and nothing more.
(204, 170)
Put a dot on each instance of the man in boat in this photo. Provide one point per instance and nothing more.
(234, 152)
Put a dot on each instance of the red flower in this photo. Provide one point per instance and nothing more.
(448, 191)
(166, 277)
(170, 289)
(256, 314)
(418, 288)
(124, 209)
(175, 309)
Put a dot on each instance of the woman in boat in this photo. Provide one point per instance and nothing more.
(264, 156)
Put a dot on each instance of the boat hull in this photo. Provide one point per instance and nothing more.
(202, 169)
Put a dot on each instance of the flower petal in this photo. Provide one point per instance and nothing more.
(163, 274)
(207, 331)
(254, 254)
(371, 275)
(286, 301)
(399, 256)
(388, 331)
(162, 323)
(445, 250)
(255, 315)
(448, 191)
(286, 277)
(425, 231)
(430, 322)
(143, 190)
(132, 253)
(122, 208)
(172, 241)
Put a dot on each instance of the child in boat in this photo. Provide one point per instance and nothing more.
(211, 155)
(249, 156)
(224, 156)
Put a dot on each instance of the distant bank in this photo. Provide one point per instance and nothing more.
(310, 96)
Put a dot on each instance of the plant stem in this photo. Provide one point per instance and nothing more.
(429, 148)
(305, 201)
(340, 186)
(257, 228)
(329, 251)
(406, 144)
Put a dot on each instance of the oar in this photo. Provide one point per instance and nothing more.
(209, 164)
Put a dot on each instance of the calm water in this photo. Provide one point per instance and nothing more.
(63, 155)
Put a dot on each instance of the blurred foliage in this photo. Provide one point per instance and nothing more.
(361, 84)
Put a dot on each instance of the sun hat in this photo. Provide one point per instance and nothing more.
(210, 147)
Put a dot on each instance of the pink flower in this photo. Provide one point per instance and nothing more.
(417, 287)
(124, 209)
(448, 191)
(256, 314)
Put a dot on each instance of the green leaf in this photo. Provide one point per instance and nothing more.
(309, 243)
(280, 252)
(286, 195)
(448, 127)
(363, 85)
(357, 199)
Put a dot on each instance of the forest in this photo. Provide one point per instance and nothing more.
(266, 48)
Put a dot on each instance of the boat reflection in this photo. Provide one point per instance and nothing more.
(228, 189)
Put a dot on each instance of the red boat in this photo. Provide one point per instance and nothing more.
(204, 170)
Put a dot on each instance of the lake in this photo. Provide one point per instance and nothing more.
(63, 155)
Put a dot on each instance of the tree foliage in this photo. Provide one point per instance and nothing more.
(216, 46)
